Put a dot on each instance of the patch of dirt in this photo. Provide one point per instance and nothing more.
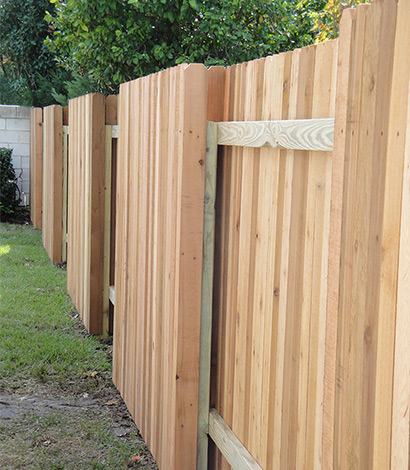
(21, 216)
(43, 431)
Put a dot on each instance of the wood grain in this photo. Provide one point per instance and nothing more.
(52, 217)
(231, 447)
(300, 134)
(370, 238)
(36, 166)
(273, 225)
(86, 214)
(160, 196)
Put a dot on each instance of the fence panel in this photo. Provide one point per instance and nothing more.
(160, 196)
(272, 235)
(86, 173)
(52, 219)
(373, 197)
(36, 166)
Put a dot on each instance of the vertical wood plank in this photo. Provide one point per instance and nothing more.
(394, 39)
(400, 455)
(53, 182)
(36, 166)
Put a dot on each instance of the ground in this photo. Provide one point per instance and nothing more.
(59, 408)
(42, 431)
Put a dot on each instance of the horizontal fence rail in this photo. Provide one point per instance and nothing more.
(293, 134)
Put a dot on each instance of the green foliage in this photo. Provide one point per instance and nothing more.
(78, 86)
(327, 20)
(114, 41)
(8, 194)
(28, 71)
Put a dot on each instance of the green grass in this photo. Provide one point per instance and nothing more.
(56, 442)
(73, 410)
(39, 333)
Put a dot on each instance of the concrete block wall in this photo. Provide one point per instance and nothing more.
(15, 134)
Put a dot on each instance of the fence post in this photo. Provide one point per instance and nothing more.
(52, 220)
(36, 166)
(110, 147)
(86, 201)
(65, 183)
(206, 300)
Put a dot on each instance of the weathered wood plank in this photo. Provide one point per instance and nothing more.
(295, 134)
(230, 446)
(206, 301)
(107, 229)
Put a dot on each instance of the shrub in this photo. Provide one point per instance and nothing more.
(9, 199)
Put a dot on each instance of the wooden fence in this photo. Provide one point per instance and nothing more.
(52, 218)
(367, 312)
(36, 166)
(89, 208)
(272, 237)
(274, 326)
(160, 193)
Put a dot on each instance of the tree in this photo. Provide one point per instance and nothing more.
(327, 20)
(114, 41)
(28, 69)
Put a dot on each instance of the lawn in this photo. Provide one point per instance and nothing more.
(58, 405)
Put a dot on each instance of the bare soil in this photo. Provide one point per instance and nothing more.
(45, 430)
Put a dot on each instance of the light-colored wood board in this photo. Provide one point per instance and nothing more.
(190, 261)
(394, 37)
(320, 178)
(230, 446)
(400, 455)
(298, 134)
(341, 109)
(246, 264)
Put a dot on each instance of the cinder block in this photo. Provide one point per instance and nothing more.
(16, 162)
(10, 137)
(24, 137)
(18, 124)
(21, 150)
(2, 125)
(24, 174)
(26, 187)
(7, 111)
(25, 163)
(23, 112)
